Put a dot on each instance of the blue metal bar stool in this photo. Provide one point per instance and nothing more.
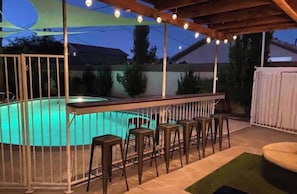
(168, 129)
(106, 142)
(140, 134)
(219, 121)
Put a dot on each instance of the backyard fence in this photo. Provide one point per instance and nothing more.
(274, 102)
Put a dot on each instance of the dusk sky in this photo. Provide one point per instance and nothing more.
(121, 37)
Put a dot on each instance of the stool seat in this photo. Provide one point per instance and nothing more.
(204, 123)
(140, 134)
(188, 126)
(219, 121)
(168, 128)
(106, 142)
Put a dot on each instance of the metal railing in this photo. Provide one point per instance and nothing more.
(38, 150)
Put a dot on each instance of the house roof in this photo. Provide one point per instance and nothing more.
(284, 45)
(195, 46)
(218, 18)
(83, 49)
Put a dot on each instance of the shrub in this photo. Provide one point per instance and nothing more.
(188, 84)
(133, 80)
(104, 80)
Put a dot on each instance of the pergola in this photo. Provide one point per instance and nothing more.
(218, 19)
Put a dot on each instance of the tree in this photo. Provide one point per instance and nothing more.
(237, 79)
(34, 44)
(104, 80)
(141, 51)
(133, 80)
(188, 84)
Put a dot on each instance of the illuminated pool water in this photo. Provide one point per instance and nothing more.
(47, 123)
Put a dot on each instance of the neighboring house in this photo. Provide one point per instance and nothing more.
(86, 55)
(203, 53)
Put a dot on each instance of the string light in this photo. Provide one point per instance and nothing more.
(218, 42)
(208, 39)
(186, 26)
(225, 40)
(139, 18)
(174, 15)
(196, 35)
(89, 3)
(234, 37)
(117, 13)
(159, 19)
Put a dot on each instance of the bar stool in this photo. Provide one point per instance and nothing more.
(219, 121)
(203, 123)
(168, 129)
(140, 134)
(106, 142)
(188, 126)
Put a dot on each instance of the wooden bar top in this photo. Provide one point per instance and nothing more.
(143, 102)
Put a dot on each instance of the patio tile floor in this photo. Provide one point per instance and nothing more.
(244, 138)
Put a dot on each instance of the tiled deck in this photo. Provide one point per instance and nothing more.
(247, 139)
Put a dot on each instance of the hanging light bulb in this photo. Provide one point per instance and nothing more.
(174, 16)
(234, 37)
(208, 39)
(89, 3)
(180, 47)
(225, 40)
(159, 19)
(139, 18)
(218, 42)
(186, 26)
(117, 13)
(196, 35)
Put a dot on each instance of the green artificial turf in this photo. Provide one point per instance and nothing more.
(243, 173)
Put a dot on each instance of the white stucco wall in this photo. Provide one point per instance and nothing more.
(206, 54)
(154, 83)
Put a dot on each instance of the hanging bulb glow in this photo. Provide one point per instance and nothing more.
(196, 34)
(225, 40)
(180, 47)
(89, 3)
(186, 26)
(174, 16)
(117, 13)
(218, 42)
(208, 39)
(234, 37)
(159, 19)
(139, 19)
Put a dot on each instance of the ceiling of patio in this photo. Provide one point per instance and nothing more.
(218, 18)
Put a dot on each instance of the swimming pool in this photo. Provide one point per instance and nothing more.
(47, 123)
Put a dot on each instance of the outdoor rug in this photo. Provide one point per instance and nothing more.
(241, 175)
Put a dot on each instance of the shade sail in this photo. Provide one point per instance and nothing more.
(47, 33)
(7, 24)
(50, 16)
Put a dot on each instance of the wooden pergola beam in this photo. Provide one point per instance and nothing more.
(219, 7)
(166, 17)
(289, 7)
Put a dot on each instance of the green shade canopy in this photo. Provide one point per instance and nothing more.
(50, 16)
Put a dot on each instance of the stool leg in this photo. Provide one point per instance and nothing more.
(216, 121)
(124, 166)
(220, 132)
(167, 135)
(203, 129)
(198, 139)
(105, 167)
(211, 136)
(186, 141)
(154, 153)
(228, 132)
(140, 149)
(90, 165)
(173, 145)
(180, 151)
(127, 146)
